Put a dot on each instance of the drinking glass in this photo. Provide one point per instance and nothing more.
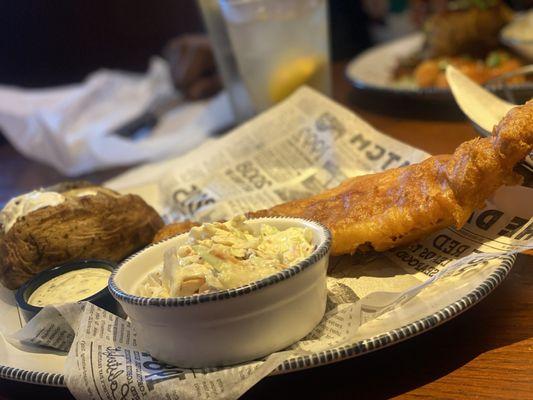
(225, 59)
(279, 45)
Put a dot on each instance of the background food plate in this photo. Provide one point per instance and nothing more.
(371, 71)
(430, 310)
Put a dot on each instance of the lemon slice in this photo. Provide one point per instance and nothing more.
(289, 76)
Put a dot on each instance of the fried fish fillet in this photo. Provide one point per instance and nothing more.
(392, 208)
(399, 206)
(174, 229)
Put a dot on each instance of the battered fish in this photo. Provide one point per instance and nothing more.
(399, 206)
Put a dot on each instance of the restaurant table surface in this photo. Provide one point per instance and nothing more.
(486, 352)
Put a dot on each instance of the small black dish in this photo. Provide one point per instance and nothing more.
(102, 299)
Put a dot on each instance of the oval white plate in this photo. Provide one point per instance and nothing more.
(45, 368)
(373, 68)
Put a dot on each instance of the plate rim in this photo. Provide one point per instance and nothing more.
(413, 329)
(341, 353)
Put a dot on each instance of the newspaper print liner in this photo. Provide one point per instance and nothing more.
(342, 353)
(317, 254)
(405, 332)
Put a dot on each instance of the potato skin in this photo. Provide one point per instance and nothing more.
(106, 226)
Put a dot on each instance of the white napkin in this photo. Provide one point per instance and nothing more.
(69, 127)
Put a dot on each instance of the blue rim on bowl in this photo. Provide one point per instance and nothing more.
(321, 250)
(101, 298)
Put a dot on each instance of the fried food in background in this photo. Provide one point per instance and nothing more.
(91, 222)
(432, 72)
(466, 27)
(464, 34)
(381, 211)
(399, 206)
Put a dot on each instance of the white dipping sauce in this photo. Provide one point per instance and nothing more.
(70, 287)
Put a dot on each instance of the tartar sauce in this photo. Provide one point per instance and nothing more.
(70, 287)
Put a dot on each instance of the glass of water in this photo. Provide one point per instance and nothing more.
(279, 45)
(227, 65)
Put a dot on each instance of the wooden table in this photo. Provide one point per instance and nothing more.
(487, 352)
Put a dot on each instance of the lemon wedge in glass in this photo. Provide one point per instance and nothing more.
(289, 76)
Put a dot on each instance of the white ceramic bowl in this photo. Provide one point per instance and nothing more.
(228, 326)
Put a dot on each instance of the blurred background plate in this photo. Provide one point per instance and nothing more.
(371, 71)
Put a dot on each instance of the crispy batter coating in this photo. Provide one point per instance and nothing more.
(473, 31)
(174, 229)
(398, 206)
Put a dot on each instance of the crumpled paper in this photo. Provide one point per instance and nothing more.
(69, 128)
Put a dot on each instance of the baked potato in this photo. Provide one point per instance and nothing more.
(90, 222)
